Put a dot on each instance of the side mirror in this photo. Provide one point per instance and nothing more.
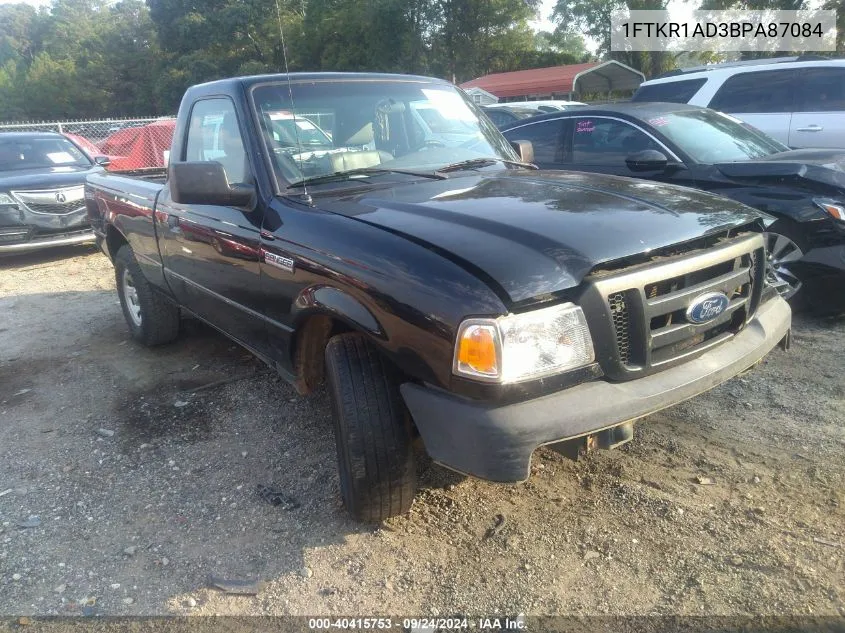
(206, 183)
(525, 150)
(647, 160)
(102, 161)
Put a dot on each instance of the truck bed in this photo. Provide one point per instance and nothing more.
(156, 174)
(141, 186)
(127, 201)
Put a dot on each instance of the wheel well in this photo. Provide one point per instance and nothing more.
(309, 346)
(114, 240)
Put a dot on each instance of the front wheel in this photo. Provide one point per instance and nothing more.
(784, 248)
(372, 431)
(151, 318)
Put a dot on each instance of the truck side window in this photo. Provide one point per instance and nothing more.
(213, 135)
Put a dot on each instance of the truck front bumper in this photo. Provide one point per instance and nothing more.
(496, 442)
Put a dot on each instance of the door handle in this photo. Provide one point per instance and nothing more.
(810, 128)
(173, 224)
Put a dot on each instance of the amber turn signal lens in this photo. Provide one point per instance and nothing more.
(477, 349)
(834, 208)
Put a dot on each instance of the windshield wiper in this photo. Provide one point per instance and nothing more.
(484, 162)
(339, 176)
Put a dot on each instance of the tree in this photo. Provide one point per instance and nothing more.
(224, 38)
(17, 33)
(836, 5)
(593, 18)
(476, 37)
(562, 42)
(101, 58)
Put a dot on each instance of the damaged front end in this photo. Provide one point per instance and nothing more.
(33, 219)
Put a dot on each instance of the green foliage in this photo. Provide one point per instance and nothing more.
(83, 58)
(562, 42)
(100, 58)
(91, 58)
(592, 18)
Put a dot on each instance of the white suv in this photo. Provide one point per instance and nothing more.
(800, 102)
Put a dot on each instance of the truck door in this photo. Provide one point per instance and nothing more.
(211, 252)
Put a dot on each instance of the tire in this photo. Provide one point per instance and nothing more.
(152, 319)
(375, 454)
(785, 245)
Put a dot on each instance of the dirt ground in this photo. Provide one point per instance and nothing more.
(144, 487)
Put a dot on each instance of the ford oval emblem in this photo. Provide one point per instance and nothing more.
(707, 307)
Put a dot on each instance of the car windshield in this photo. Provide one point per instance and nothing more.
(32, 153)
(712, 137)
(370, 127)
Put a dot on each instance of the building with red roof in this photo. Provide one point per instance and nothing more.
(559, 82)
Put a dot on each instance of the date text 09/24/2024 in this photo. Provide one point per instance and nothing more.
(412, 625)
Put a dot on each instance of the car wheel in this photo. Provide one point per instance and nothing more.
(152, 319)
(372, 431)
(784, 247)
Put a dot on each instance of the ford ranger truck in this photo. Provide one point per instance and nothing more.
(378, 232)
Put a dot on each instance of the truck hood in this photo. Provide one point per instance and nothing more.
(529, 233)
(45, 178)
(824, 166)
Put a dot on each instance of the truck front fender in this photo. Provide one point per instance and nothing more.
(339, 305)
(319, 313)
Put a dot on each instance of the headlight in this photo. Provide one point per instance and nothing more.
(5, 198)
(520, 347)
(836, 209)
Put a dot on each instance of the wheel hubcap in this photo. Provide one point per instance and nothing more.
(781, 252)
(130, 294)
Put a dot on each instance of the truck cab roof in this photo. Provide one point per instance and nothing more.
(232, 84)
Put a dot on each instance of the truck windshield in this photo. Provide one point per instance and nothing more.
(712, 137)
(353, 125)
(34, 153)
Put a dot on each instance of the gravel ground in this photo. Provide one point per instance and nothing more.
(138, 487)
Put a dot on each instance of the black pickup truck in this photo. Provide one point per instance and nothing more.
(379, 232)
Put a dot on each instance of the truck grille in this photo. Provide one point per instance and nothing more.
(641, 312)
(52, 201)
(621, 325)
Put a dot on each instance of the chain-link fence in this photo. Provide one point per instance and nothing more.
(129, 144)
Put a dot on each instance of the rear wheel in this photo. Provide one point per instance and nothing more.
(151, 318)
(784, 247)
(372, 431)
